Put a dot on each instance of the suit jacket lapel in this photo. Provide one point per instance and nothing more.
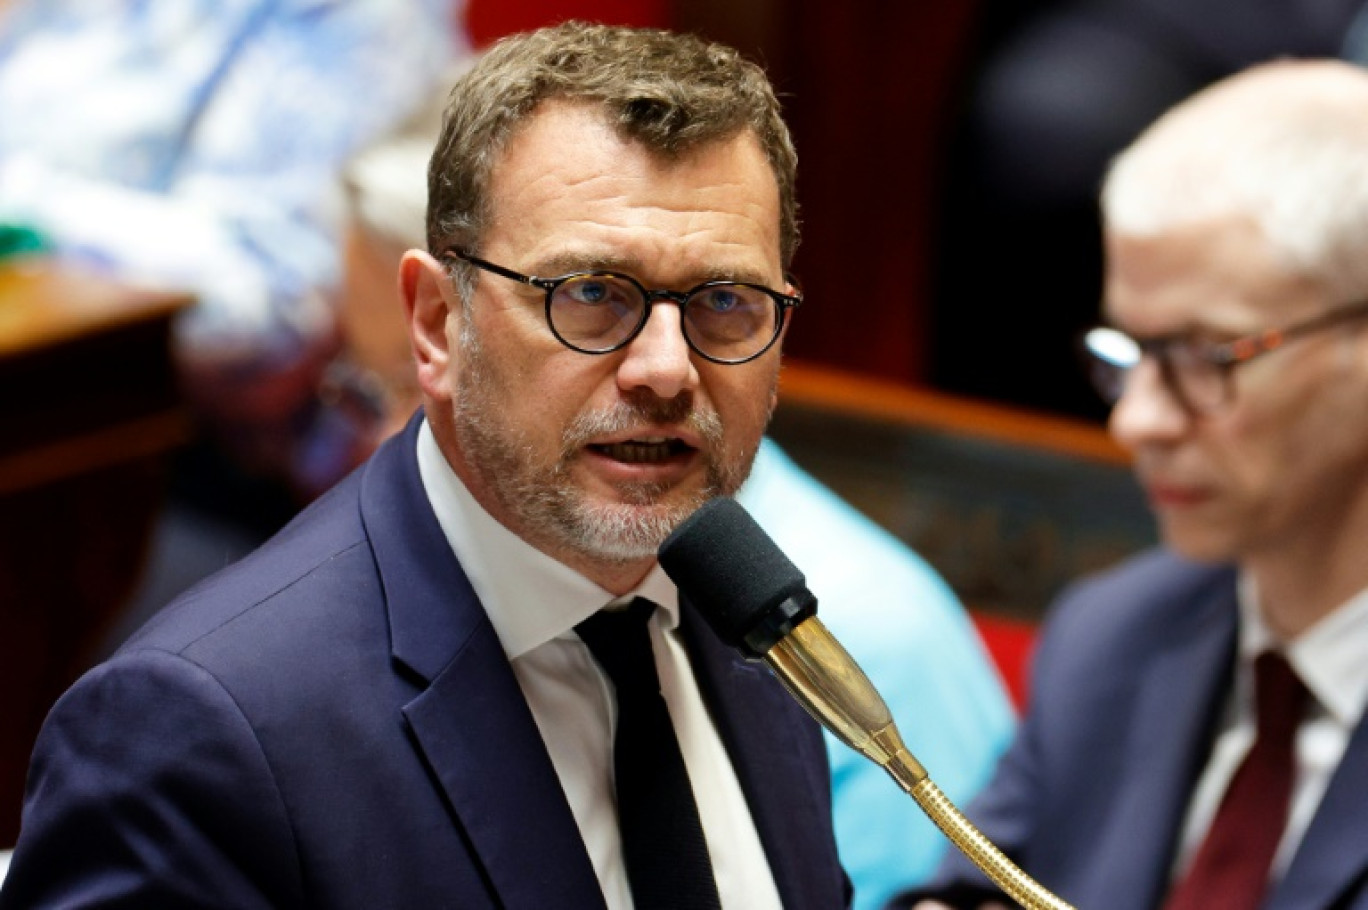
(781, 770)
(1166, 746)
(1331, 858)
(471, 722)
(477, 733)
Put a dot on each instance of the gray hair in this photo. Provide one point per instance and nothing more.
(1284, 144)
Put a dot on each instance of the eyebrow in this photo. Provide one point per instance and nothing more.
(1189, 332)
(568, 262)
(565, 263)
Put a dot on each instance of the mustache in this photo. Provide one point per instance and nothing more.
(644, 409)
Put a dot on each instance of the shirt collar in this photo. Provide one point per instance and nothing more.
(1328, 656)
(530, 598)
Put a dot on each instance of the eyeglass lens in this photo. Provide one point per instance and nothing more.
(598, 312)
(1197, 381)
(1193, 379)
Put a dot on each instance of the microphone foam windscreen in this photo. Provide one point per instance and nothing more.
(724, 563)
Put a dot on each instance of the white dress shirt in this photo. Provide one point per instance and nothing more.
(534, 604)
(1328, 657)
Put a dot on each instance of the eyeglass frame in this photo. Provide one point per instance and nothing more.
(783, 302)
(1224, 356)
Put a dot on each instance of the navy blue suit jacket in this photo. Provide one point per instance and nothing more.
(333, 723)
(1130, 674)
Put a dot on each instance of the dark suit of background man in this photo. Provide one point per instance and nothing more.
(387, 705)
(1237, 274)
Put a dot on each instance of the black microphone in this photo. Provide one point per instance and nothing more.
(757, 601)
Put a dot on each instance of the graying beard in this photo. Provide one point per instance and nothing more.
(544, 501)
(619, 534)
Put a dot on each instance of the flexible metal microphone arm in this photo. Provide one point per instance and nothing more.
(757, 601)
(821, 675)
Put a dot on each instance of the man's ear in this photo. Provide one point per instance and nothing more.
(429, 298)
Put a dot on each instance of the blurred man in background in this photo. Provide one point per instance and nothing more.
(1195, 736)
(196, 144)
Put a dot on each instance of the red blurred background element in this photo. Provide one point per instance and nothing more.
(487, 20)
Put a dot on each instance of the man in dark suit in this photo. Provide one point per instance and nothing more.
(390, 704)
(1237, 358)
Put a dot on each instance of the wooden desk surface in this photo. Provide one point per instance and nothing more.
(814, 386)
(42, 305)
(85, 376)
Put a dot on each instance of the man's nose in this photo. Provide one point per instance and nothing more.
(659, 358)
(1148, 410)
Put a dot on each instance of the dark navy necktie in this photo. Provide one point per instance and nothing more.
(663, 848)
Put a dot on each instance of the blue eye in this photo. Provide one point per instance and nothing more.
(720, 300)
(588, 291)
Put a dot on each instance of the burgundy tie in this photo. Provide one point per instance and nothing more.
(1231, 868)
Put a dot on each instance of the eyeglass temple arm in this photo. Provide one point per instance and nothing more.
(488, 266)
(1245, 348)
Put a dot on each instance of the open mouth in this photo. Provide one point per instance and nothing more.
(651, 450)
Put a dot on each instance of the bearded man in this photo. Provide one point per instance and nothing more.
(417, 695)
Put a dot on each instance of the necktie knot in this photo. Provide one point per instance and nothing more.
(1279, 696)
(621, 643)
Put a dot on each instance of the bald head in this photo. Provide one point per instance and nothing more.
(1283, 144)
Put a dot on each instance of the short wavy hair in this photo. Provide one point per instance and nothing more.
(669, 92)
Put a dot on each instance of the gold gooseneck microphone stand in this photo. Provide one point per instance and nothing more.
(816, 669)
(757, 601)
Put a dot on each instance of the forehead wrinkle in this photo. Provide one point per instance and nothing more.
(655, 220)
(719, 268)
(546, 186)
